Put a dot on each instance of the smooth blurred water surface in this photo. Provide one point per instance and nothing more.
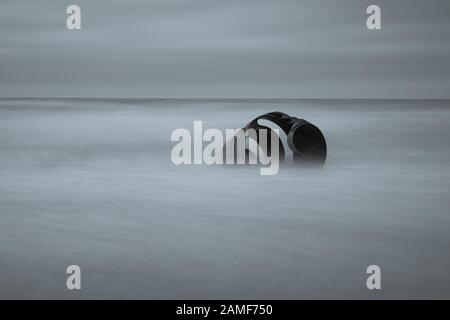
(91, 183)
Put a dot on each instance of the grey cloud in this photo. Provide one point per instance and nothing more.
(219, 48)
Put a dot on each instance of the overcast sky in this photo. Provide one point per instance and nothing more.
(225, 48)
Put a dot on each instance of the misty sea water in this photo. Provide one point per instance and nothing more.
(90, 182)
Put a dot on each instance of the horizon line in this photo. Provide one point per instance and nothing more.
(204, 98)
